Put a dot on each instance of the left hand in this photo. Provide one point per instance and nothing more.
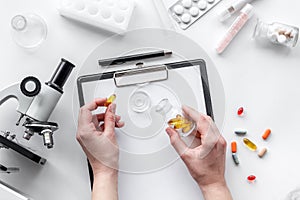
(96, 135)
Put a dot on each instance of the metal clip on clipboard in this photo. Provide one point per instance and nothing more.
(138, 75)
(141, 75)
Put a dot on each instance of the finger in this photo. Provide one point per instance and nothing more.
(190, 112)
(120, 124)
(94, 104)
(100, 101)
(110, 119)
(209, 140)
(101, 116)
(176, 141)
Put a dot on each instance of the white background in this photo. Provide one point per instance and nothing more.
(263, 79)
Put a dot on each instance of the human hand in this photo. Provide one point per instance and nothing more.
(96, 135)
(206, 162)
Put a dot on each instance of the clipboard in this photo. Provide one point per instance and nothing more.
(161, 73)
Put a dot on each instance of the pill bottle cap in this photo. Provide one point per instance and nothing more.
(261, 29)
(248, 10)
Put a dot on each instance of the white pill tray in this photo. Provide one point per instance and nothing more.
(110, 15)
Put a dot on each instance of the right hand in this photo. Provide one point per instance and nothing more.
(206, 162)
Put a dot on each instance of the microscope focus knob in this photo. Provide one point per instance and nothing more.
(25, 84)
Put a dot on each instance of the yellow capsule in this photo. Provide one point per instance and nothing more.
(110, 100)
(178, 125)
(174, 121)
(250, 144)
(178, 116)
(187, 128)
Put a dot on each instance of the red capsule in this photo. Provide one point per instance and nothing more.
(240, 111)
(251, 178)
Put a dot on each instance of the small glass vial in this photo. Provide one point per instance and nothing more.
(277, 33)
(175, 118)
(28, 30)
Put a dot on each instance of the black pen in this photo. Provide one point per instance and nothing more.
(3, 168)
(124, 59)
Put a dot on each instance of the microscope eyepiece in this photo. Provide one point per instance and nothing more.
(61, 75)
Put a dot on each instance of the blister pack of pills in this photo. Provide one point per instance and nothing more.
(110, 15)
(186, 12)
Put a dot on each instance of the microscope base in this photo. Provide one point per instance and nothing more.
(21, 150)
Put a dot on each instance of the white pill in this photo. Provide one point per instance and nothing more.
(106, 14)
(187, 3)
(80, 5)
(273, 36)
(178, 9)
(119, 18)
(93, 10)
(281, 39)
(195, 0)
(202, 4)
(123, 4)
(194, 11)
(186, 18)
(210, 1)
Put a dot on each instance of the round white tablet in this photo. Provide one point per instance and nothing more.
(194, 11)
(186, 18)
(210, 1)
(202, 4)
(187, 3)
(281, 39)
(178, 9)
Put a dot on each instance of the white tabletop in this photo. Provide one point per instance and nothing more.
(263, 79)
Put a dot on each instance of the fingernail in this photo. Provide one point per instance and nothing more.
(113, 108)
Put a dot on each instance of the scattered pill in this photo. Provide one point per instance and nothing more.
(233, 147)
(240, 132)
(250, 144)
(194, 11)
(187, 3)
(240, 111)
(266, 134)
(110, 100)
(202, 4)
(251, 178)
(178, 9)
(210, 1)
(235, 159)
(262, 152)
(186, 18)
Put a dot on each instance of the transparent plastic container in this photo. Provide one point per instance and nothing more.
(277, 33)
(175, 118)
(28, 30)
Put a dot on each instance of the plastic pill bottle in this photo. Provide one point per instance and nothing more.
(277, 33)
(175, 118)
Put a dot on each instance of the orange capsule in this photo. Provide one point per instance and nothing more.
(233, 147)
(266, 134)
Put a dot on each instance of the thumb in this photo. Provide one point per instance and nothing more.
(176, 141)
(110, 119)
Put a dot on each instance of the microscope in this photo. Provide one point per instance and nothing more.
(36, 102)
